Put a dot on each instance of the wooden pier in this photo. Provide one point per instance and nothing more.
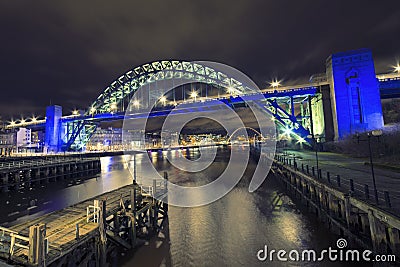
(36, 171)
(347, 213)
(86, 233)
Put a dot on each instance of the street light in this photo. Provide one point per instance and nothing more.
(113, 106)
(288, 132)
(375, 133)
(397, 68)
(275, 83)
(231, 90)
(136, 103)
(316, 138)
(163, 100)
(193, 94)
(301, 141)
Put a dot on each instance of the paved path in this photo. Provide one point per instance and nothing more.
(352, 168)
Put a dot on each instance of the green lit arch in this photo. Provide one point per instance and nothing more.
(121, 90)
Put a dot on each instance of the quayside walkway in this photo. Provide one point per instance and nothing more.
(354, 175)
(343, 201)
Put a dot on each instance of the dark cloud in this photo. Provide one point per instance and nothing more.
(67, 52)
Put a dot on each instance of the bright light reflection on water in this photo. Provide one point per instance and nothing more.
(228, 232)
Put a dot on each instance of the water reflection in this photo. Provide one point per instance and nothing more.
(17, 205)
(228, 232)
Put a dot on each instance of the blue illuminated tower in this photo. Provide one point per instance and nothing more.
(53, 124)
(354, 92)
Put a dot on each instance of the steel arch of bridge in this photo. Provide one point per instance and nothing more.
(125, 86)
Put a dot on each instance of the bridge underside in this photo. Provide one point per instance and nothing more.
(389, 88)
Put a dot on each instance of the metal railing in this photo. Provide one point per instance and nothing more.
(92, 214)
(14, 242)
(352, 187)
(5, 166)
(10, 239)
(158, 186)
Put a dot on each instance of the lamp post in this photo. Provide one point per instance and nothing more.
(275, 84)
(136, 103)
(163, 100)
(193, 94)
(316, 138)
(376, 133)
(113, 107)
(230, 90)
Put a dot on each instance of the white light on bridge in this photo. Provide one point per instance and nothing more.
(288, 131)
(193, 94)
(92, 110)
(136, 103)
(75, 112)
(23, 120)
(163, 100)
(231, 90)
(301, 140)
(397, 68)
(12, 123)
(113, 106)
(34, 119)
(275, 83)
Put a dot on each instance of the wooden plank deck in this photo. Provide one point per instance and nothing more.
(61, 225)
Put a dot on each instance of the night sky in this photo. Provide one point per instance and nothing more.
(67, 52)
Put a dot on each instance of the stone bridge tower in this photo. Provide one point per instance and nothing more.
(354, 93)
